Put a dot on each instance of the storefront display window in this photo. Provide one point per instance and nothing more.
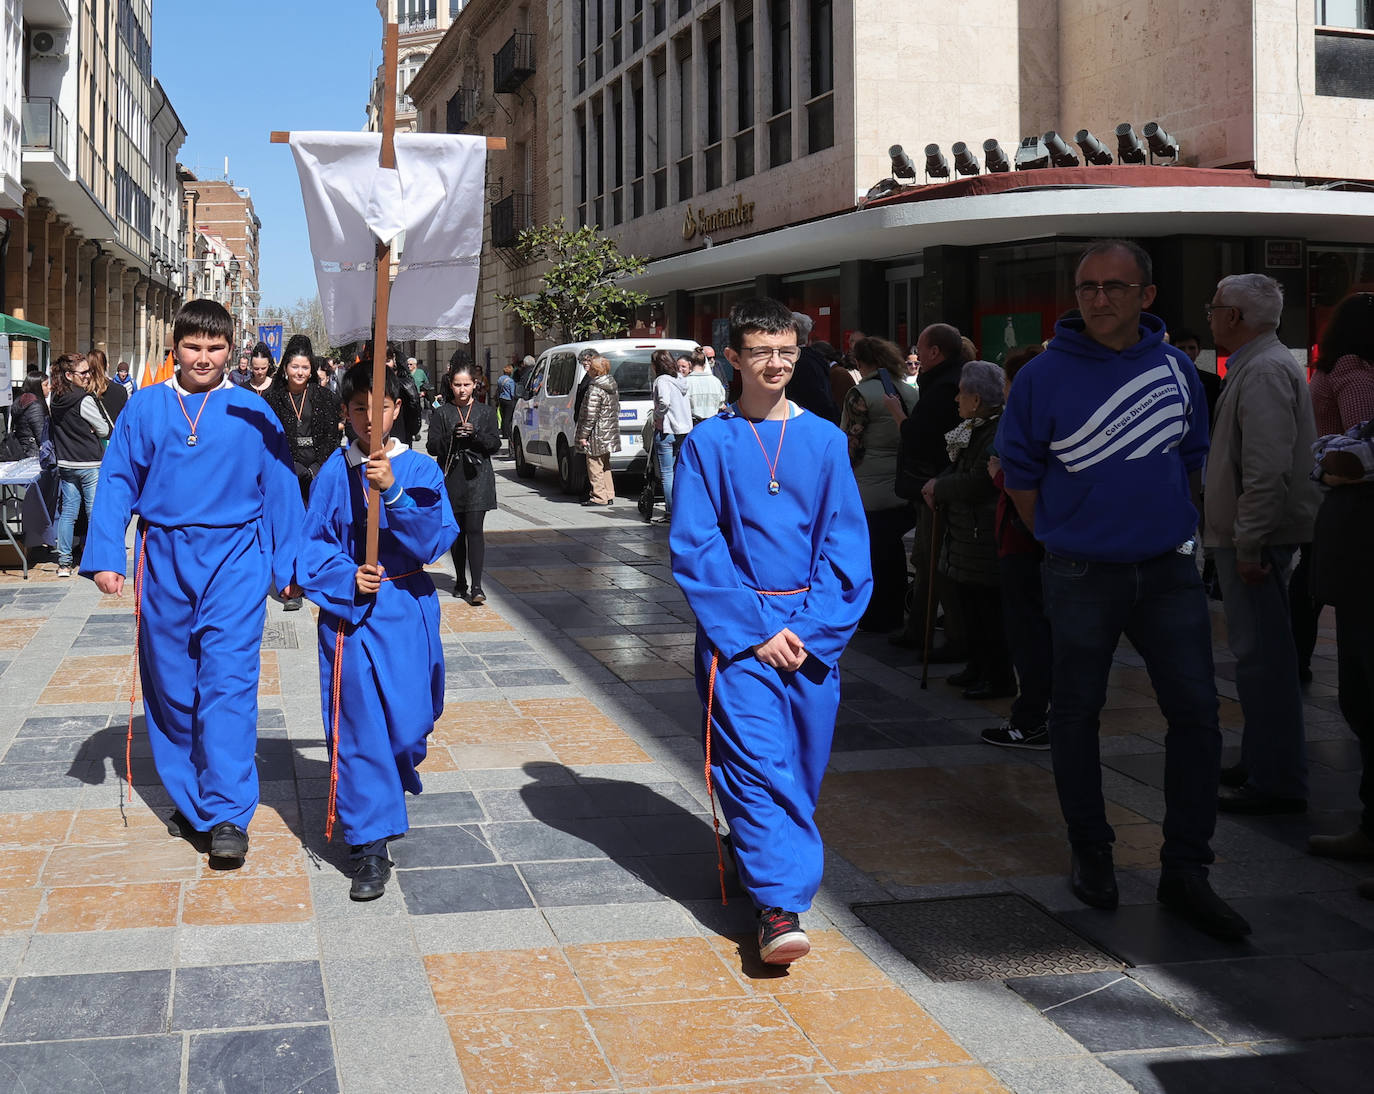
(1333, 273)
(711, 313)
(817, 293)
(1022, 290)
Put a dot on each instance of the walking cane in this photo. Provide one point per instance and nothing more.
(930, 598)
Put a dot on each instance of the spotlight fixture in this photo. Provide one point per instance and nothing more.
(1094, 151)
(1128, 146)
(1061, 155)
(995, 158)
(937, 167)
(902, 166)
(1162, 146)
(1032, 155)
(965, 162)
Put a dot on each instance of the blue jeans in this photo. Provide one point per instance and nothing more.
(78, 485)
(1259, 629)
(1159, 605)
(665, 456)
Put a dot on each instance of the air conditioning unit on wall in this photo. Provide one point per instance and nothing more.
(48, 44)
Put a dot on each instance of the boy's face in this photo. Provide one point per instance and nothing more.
(202, 358)
(765, 361)
(360, 417)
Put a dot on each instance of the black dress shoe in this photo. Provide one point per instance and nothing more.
(1235, 775)
(370, 878)
(1247, 801)
(965, 679)
(987, 689)
(478, 598)
(460, 594)
(228, 842)
(1092, 876)
(292, 605)
(1191, 897)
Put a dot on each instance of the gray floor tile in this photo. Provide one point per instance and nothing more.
(559, 884)
(566, 838)
(118, 1004)
(1300, 924)
(1107, 1012)
(443, 807)
(412, 1055)
(269, 994)
(77, 725)
(544, 802)
(244, 943)
(131, 1065)
(510, 929)
(579, 924)
(441, 845)
(1216, 1071)
(378, 987)
(298, 1059)
(464, 889)
(1061, 1075)
(100, 951)
(1148, 934)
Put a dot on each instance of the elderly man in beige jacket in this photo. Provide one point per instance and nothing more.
(1260, 505)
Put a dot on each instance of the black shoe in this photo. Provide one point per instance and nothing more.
(370, 878)
(179, 826)
(1191, 897)
(228, 842)
(781, 939)
(477, 598)
(965, 679)
(987, 689)
(1092, 876)
(1235, 775)
(1007, 735)
(460, 592)
(292, 605)
(1247, 801)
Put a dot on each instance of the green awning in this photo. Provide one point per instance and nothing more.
(21, 328)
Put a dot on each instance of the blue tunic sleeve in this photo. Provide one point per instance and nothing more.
(325, 565)
(426, 529)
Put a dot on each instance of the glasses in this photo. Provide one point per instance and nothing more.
(80, 372)
(1210, 308)
(760, 354)
(1112, 290)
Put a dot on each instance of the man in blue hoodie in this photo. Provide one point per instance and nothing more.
(1102, 445)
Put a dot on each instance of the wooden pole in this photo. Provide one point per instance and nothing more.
(390, 48)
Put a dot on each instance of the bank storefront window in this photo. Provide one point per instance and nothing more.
(817, 293)
(710, 324)
(1334, 271)
(1022, 290)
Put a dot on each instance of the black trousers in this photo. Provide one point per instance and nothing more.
(886, 527)
(985, 632)
(469, 550)
(1355, 685)
(1028, 635)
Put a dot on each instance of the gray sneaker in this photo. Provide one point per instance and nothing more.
(1009, 736)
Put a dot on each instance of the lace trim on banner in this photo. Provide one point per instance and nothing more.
(370, 265)
(404, 334)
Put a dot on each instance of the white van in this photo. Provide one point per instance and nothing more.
(542, 424)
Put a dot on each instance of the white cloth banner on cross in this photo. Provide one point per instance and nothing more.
(432, 201)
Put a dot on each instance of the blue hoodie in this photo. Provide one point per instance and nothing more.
(1108, 439)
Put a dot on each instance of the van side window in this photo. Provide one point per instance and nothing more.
(561, 371)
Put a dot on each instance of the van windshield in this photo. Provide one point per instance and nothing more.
(632, 372)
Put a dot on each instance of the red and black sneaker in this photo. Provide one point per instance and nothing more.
(781, 939)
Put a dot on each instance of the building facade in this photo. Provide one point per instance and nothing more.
(222, 254)
(422, 25)
(489, 75)
(93, 252)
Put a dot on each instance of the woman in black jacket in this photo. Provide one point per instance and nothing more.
(463, 435)
(310, 414)
(31, 413)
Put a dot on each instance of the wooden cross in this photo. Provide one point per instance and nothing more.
(390, 49)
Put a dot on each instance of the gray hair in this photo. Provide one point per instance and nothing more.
(986, 380)
(1259, 298)
(585, 356)
(528, 362)
(803, 323)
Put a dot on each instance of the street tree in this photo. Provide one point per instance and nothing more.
(580, 297)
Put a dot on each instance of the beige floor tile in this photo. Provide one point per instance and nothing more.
(503, 980)
(870, 1028)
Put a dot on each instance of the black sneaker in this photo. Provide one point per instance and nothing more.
(1009, 736)
(781, 939)
(370, 878)
(228, 842)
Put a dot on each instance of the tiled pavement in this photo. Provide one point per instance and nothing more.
(556, 922)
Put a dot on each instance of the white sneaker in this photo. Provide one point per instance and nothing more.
(64, 571)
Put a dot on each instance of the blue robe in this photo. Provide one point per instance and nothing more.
(221, 519)
(732, 540)
(392, 672)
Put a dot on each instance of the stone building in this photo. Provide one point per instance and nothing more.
(421, 24)
(222, 249)
(93, 246)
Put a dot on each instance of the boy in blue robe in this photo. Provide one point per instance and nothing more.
(211, 542)
(770, 547)
(380, 622)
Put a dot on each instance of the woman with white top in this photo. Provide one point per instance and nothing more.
(672, 422)
(78, 428)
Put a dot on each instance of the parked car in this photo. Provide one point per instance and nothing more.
(543, 427)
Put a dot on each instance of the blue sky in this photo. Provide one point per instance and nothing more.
(235, 71)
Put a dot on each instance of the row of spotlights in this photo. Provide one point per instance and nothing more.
(1038, 152)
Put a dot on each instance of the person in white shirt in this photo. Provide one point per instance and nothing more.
(705, 393)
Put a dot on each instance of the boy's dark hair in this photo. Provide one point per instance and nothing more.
(759, 315)
(202, 316)
(1135, 250)
(359, 378)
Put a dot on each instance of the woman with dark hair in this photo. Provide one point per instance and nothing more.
(672, 421)
(1343, 384)
(78, 427)
(874, 439)
(310, 414)
(463, 435)
(30, 413)
(260, 368)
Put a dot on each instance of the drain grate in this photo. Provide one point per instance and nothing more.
(994, 937)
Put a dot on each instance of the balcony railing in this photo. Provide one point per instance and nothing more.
(45, 129)
(462, 109)
(415, 24)
(513, 63)
(508, 216)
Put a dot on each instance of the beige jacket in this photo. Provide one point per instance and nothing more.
(1258, 492)
(598, 428)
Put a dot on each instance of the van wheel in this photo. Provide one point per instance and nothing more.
(523, 468)
(569, 469)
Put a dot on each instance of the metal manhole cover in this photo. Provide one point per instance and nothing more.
(279, 635)
(982, 938)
